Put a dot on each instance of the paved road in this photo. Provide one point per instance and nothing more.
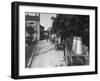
(47, 56)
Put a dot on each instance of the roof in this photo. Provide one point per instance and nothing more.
(32, 18)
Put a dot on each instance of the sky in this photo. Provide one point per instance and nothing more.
(45, 19)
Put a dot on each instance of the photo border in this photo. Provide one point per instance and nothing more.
(15, 39)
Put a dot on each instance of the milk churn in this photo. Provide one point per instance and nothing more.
(59, 40)
(74, 43)
(78, 48)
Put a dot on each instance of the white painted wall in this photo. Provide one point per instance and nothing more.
(5, 40)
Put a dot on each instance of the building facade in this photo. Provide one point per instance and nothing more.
(33, 20)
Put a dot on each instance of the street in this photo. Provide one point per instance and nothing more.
(68, 43)
(47, 56)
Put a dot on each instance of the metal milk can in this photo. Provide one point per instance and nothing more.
(78, 47)
(59, 40)
(74, 43)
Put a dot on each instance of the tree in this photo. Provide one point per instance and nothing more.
(67, 25)
(30, 30)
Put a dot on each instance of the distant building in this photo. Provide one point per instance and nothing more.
(42, 36)
(41, 28)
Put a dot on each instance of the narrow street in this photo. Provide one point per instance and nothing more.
(47, 56)
(70, 40)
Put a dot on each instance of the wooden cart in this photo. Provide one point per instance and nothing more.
(70, 56)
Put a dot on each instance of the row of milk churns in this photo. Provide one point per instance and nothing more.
(77, 45)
